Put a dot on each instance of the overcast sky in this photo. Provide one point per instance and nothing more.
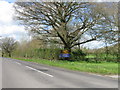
(9, 28)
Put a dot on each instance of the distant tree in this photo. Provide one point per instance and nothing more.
(110, 12)
(8, 45)
(63, 22)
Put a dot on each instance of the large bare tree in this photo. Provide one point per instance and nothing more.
(7, 45)
(63, 22)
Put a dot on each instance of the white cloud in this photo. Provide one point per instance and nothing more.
(6, 12)
(7, 24)
(69, 0)
(7, 29)
(94, 44)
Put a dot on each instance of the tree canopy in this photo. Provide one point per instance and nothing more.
(7, 45)
(64, 22)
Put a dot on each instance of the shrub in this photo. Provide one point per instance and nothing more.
(78, 55)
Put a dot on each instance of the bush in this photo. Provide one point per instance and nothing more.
(78, 55)
(47, 53)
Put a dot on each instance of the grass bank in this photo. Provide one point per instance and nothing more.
(104, 68)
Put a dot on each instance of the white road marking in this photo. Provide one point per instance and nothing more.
(18, 63)
(113, 76)
(97, 75)
(39, 71)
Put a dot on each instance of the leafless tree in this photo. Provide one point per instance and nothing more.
(63, 22)
(111, 14)
(7, 45)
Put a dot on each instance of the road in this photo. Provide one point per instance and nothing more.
(22, 74)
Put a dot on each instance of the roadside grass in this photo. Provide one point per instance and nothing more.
(101, 56)
(104, 68)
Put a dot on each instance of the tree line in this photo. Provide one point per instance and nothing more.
(34, 49)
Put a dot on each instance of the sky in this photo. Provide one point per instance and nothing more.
(9, 28)
(10, 1)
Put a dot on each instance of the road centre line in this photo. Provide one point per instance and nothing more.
(18, 63)
(39, 71)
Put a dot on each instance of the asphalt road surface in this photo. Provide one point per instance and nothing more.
(22, 74)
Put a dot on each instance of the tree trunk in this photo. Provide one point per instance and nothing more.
(9, 54)
(2, 54)
(67, 48)
(69, 52)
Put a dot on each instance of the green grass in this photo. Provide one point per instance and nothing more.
(101, 56)
(104, 68)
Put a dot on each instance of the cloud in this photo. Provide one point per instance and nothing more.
(66, 0)
(94, 44)
(8, 27)
(6, 12)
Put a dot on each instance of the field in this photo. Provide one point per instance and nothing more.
(102, 56)
(104, 68)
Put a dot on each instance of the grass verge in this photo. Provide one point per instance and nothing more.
(104, 68)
